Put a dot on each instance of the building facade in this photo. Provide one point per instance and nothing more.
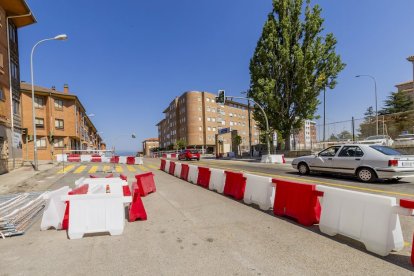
(13, 16)
(195, 118)
(61, 123)
(149, 144)
(305, 138)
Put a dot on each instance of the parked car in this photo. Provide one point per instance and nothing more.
(384, 140)
(189, 154)
(404, 140)
(366, 162)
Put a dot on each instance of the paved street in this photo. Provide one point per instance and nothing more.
(190, 231)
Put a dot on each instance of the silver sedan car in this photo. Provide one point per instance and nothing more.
(366, 162)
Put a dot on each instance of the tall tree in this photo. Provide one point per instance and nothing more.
(293, 62)
(397, 102)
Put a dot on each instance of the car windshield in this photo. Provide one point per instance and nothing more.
(193, 151)
(386, 150)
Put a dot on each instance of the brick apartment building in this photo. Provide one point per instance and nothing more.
(196, 118)
(10, 120)
(148, 144)
(61, 123)
(305, 138)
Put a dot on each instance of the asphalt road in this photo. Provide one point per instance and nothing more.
(191, 230)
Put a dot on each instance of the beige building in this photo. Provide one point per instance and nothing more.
(14, 14)
(149, 144)
(305, 138)
(61, 123)
(195, 118)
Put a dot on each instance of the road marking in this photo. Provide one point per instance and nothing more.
(106, 168)
(67, 168)
(80, 169)
(143, 168)
(131, 168)
(93, 169)
(119, 169)
(407, 243)
(304, 180)
(153, 167)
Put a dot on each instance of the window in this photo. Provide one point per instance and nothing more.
(208, 119)
(231, 123)
(214, 129)
(41, 142)
(351, 151)
(329, 152)
(16, 107)
(14, 70)
(59, 124)
(39, 102)
(386, 150)
(2, 95)
(213, 119)
(209, 128)
(199, 118)
(59, 143)
(58, 104)
(40, 122)
(223, 123)
(200, 128)
(208, 99)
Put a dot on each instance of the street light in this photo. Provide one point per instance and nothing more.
(58, 37)
(376, 98)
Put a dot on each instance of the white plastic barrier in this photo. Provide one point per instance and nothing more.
(139, 161)
(95, 213)
(168, 155)
(259, 190)
(122, 159)
(177, 171)
(273, 158)
(105, 159)
(167, 166)
(217, 180)
(370, 219)
(55, 209)
(61, 158)
(101, 182)
(192, 174)
(86, 158)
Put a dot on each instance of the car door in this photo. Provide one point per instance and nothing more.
(348, 159)
(323, 161)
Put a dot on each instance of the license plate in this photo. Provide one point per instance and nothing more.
(407, 164)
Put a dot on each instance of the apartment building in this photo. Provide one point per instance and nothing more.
(195, 118)
(61, 123)
(149, 144)
(13, 16)
(305, 138)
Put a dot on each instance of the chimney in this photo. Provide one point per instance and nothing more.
(54, 88)
(66, 88)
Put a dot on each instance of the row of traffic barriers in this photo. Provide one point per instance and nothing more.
(368, 218)
(130, 160)
(97, 205)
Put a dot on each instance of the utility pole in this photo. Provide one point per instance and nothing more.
(250, 129)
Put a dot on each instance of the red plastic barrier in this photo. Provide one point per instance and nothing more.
(297, 200)
(145, 183)
(78, 191)
(92, 176)
(164, 155)
(130, 160)
(173, 155)
(123, 177)
(171, 169)
(203, 178)
(163, 163)
(235, 185)
(74, 158)
(126, 190)
(136, 208)
(109, 175)
(114, 159)
(409, 204)
(96, 158)
(184, 172)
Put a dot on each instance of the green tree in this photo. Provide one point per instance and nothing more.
(333, 138)
(293, 62)
(180, 144)
(368, 126)
(237, 142)
(397, 102)
(345, 135)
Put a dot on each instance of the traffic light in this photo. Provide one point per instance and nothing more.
(221, 98)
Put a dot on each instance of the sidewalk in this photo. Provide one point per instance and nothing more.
(246, 159)
(10, 182)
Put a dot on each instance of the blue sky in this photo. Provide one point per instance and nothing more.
(127, 60)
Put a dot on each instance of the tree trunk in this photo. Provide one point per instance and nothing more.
(286, 138)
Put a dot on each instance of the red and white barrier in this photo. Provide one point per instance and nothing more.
(136, 208)
(130, 160)
(273, 158)
(145, 182)
(177, 171)
(259, 190)
(217, 180)
(167, 166)
(54, 210)
(192, 174)
(235, 185)
(171, 169)
(203, 178)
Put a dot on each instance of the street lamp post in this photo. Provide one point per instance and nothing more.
(58, 37)
(376, 97)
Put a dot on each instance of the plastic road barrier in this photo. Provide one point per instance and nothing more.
(169, 155)
(184, 172)
(130, 160)
(167, 166)
(173, 155)
(126, 190)
(164, 155)
(95, 213)
(74, 158)
(83, 189)
(123, 177)
(114, 159)
(273, 158)
(136, 208)
(203, 178)
(368, 218)
(235, 185)
(139, 161)
(217, 180)
(192, 174)
(259, 190)
(94, 182)
(297, 200)
(145, 183)
(177, 171)
(122, 160)
(61, 158)
(55, 209)
(105, 159)
(96, 158)
(172, 168)
(162, 165)
(86, 158)
(409, 204)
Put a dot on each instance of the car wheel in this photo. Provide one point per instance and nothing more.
(366, 175)
(198, 159)
(303, 168)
